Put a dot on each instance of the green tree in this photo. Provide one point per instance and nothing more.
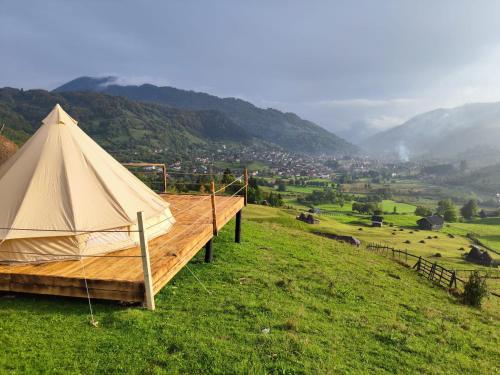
(281, 185)
(254, 192)
(423, 211)
(469, 209)
(450, 215)
(447, 210)
(227, 177)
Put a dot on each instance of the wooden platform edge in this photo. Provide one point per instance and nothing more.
(117, 290)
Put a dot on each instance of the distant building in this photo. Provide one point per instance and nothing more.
(377, 221)
(434, 222)
(309, 219)
(477, 255)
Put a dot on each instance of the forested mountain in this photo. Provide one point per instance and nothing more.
(129, 129)
(284, 129)
(444, 133)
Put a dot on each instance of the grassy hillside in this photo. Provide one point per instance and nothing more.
(284, 129)
(7, 148)
(329, 308)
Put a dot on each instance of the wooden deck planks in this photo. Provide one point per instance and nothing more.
(115, 278)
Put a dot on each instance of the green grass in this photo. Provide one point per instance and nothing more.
(401, 208)
(330, 308)
(487, 230)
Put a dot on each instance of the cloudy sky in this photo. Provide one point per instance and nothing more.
(351, 66)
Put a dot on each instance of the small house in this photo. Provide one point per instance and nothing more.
(434, 222)
(377, 221)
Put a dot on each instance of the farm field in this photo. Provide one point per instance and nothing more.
(284, 301)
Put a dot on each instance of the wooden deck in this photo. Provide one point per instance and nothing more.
(122, 278)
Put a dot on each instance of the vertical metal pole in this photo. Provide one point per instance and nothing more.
(146, 265)
(237, 228)
(214, 212)
(208, 252)
(246, 186)
(164, 178)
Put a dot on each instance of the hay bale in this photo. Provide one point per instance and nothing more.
(421, 241)
(407, 241)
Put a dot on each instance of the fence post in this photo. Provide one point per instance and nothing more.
(214, 212)
(418, 263)
(432, 271)
(146, 264)
(246, 186)
(453, 279)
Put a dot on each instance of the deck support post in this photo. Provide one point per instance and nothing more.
(208, 252)
(146, 265)
(246, 187)
(214, 212)
(237, 228)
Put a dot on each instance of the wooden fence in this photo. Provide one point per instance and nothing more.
(431, 270)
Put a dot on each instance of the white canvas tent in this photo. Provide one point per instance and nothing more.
(61, 190)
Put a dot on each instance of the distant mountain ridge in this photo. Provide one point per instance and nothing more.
(442, 133)
(284, 129)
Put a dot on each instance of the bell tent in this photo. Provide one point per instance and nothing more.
(62, 197)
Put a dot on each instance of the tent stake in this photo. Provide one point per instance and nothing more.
(146, 265)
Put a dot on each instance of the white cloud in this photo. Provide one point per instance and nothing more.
(362, 102)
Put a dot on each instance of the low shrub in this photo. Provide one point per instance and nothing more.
(475, 289)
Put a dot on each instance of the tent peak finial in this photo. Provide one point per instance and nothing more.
(58, 116)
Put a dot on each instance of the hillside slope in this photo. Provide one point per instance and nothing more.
(443, 133)
(284, 129)
(128, 129)
(7, 148)
(329, 308)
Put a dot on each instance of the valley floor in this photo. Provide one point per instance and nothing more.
(284, 301)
